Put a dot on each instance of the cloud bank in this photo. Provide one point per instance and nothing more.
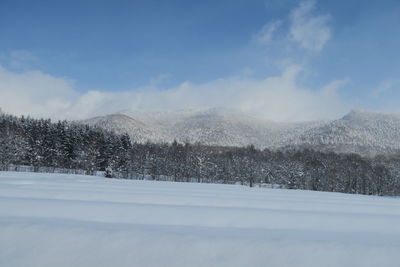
(277, 98)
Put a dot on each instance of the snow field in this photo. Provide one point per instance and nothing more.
(71, 220)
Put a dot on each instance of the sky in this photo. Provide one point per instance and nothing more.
(281, 60)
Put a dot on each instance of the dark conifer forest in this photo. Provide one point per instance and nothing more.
(72, 147)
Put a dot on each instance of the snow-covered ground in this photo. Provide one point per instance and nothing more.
(69, 220)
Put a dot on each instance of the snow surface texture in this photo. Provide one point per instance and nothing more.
(363, 132)
(66, 220)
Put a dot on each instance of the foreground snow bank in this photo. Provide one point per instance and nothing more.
(69, 220)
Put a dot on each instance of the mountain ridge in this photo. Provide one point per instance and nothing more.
(359, 131)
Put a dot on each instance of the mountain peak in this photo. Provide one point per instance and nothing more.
(360, 131)
(358, 114)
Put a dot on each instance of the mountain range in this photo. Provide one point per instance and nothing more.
(363, 132)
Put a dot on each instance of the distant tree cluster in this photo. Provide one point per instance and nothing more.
(41, 143)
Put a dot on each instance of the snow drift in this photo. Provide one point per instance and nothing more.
(70, 220)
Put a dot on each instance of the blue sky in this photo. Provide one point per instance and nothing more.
(84, 58)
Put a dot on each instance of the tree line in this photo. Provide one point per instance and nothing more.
(42, 143)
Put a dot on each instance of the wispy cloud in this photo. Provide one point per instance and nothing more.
(266, 34)
(18, 59)
(309, 30)
(385, 87)
(303, 28)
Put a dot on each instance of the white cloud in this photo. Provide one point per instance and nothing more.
(265, 36)
(310, 31)
(385, 87)
(34, 93)
(302, 28)
(18, 59)
(278, 97)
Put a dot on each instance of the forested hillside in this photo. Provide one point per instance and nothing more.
(363, 132)
(38, 143)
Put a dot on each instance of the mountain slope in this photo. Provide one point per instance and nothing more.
(362, 132)
(220, 127)
(119, 123)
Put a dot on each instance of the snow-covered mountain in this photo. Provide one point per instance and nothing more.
(120, 123)
(359, 131)
(216, 126)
